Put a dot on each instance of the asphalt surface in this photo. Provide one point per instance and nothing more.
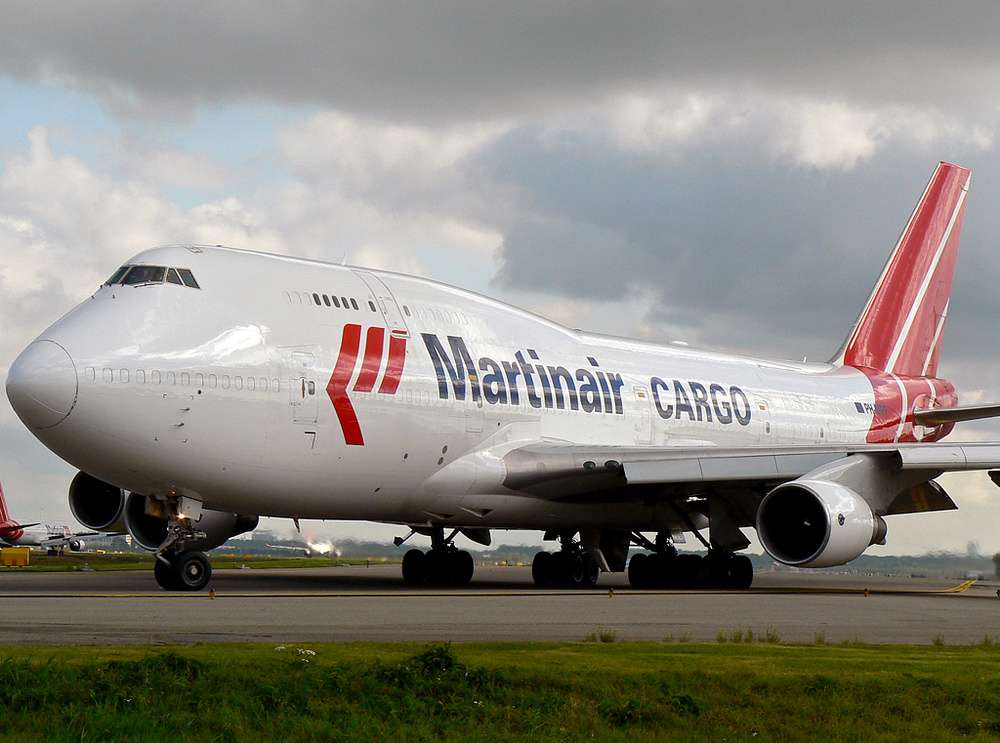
(373, 604)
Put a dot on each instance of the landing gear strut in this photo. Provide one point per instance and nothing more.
(443, 565)
(570, 567)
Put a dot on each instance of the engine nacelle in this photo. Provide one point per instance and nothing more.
(147, 524)
(96, 504)
(77, 545)
(816, 524)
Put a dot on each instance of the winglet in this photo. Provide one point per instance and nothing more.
(901, 327)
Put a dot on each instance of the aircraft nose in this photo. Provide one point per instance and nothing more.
(42, 384)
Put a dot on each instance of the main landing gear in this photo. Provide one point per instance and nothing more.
(443, 565)
(668, 569)
(570, 567)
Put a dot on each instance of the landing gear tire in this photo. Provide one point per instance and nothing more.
(638, 571)
(688, 571)
(564, 569)
(657, 570)
(741, 573)
(463, 568)
(163, 572)
(191, 571)
(414, 567)
(584, 572)
(441, 567)
(727, 571)
(541, 570)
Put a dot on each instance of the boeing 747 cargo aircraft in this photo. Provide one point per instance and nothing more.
(202, 387)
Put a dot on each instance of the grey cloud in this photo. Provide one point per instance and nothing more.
(490, 59)
(746, 252)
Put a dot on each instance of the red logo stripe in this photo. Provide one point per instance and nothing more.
(394, 367)
(373, 360)
(337, 388)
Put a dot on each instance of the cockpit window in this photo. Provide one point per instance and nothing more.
(134, 275)
(144, 275)
(188, 278)
(117, 275)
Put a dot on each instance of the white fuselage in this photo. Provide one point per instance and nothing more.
(226, 393)
(40, 535)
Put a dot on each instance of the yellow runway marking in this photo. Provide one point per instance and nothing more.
(959, 588)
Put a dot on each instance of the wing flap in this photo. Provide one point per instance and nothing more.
(922, 498)
(748, 466)
(950, 457)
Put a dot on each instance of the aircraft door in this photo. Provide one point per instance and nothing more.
(386, 302)
(304, 387)
(641, 426)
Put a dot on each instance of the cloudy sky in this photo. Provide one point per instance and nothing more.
(728, 174)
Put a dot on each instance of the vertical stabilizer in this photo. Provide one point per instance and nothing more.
(901, 327)
(4, 514)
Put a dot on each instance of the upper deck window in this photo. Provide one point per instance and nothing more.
(135, 275)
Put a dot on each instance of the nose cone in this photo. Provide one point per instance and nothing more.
(42, 385)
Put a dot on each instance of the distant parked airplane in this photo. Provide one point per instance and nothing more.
(54, 537)
(201, 387)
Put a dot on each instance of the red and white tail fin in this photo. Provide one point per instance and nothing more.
(901, 327)
(4, 514)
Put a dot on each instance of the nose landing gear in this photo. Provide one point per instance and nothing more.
(187, 570)
(177, 568)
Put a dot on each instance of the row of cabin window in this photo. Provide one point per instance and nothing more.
(329, 300)
(421, 313)
(337, 303)
(429, 313)
(184, 379)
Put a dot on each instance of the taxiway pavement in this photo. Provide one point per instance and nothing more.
(373, 604)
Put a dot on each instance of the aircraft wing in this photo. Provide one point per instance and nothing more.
(593, 473)
(62, 540)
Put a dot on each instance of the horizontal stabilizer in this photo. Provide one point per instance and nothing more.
(939, 416)
(17, 525)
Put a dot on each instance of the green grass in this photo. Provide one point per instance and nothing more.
(502, 692)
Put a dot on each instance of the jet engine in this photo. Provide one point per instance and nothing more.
(146, 522)
(817, 524)
(77, 545)
(96, 504)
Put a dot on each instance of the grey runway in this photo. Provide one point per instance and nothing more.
(373, 604)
